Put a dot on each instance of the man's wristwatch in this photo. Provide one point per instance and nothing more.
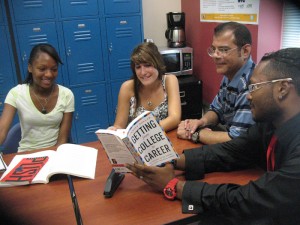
(174, 163)
(170, 189)
(196, 136)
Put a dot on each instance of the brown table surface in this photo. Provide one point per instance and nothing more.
(134, 202)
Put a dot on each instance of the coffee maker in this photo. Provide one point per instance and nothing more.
(175, 33)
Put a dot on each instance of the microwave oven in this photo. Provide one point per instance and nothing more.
(178, 61)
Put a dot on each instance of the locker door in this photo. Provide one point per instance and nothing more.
(121, 6)
(32, 10)
(123, 34)
(32, 34)
(91, 111)
(115, 88)
(83, 50)
(77, 8)
(7, 74)
(1, 12)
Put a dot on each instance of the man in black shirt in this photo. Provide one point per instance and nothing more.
(274, 198)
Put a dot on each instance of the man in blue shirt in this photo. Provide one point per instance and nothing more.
(272, 144)
(231, 52)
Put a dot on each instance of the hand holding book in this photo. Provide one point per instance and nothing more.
(143, 141)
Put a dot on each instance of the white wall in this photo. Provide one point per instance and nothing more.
(155, 18)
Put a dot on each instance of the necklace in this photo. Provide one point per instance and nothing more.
(44, 110)
(149, 103)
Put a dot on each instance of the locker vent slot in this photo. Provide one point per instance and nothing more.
(37, 39)
(124, 32)
(85, 67)
(89, 100)
(92, 128)
(78, 2)
(82, 35)
(123, 63)
(30, 4)
(121, 1)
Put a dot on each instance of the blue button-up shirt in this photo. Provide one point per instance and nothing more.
(231, 104)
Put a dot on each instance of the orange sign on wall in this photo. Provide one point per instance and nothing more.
(243, 11)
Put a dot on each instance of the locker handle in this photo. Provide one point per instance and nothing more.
(183, 103)
(110, 48)
(182, 94)
(24, 57)
(76, 116)
(69, 52)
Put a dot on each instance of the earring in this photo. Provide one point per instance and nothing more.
(280, 97)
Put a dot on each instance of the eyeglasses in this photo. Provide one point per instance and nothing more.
(222, 52)
(254, 87)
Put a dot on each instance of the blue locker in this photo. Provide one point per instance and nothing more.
(8, 78)
(32, 10)
(122, 37)
(29, 35)
(90, 112)
(94, 39)
(78, 8)
(121, 6)
(115, 88)
(83, 51)
(1, 12)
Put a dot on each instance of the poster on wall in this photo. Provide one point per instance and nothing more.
(242, 11)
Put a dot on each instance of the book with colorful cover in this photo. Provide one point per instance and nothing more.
(38, 167)
(26, 169)
(143, 141)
